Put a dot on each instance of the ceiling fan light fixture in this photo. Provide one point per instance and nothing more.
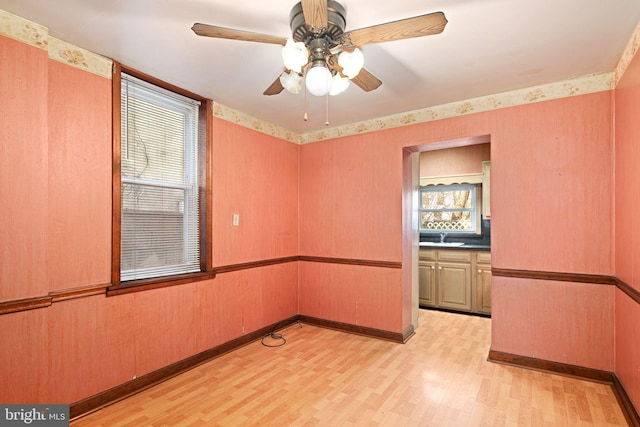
(295, 55)
(319, 79)
(351, 62)
(319, 46)
(291, 81)
(339, 84)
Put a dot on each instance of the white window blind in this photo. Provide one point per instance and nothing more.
(159, 165)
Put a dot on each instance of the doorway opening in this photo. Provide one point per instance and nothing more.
(447, 225)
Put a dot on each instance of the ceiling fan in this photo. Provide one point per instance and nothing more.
(321, 52)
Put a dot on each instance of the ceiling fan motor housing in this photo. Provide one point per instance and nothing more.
(336, 23)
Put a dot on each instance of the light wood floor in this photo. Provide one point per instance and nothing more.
(323, 377)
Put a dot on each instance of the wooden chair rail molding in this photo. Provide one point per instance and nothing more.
(12, 306)
(361, 262)
(631, 292)
(596, 279)
(581, 372)
(554, 276)
(24, 304)
(43, 301)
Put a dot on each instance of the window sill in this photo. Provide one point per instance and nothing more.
(162, 282)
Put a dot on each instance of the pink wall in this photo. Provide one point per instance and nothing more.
(551, 186)
(349, 187)
(24, 356)
(627, 345)
(351, 207)
(96, 343)
(559, 321)
(357, 295)
(256, 176)
(23, 168)
(547, 158)
(90, 347)
(627, 231)
(627, 175)
(79, 138)
(552, 180)
(55, 184)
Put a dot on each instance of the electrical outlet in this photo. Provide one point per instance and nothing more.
(236, 220)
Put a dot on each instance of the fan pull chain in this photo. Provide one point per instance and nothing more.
(327, 112)
(306, 116)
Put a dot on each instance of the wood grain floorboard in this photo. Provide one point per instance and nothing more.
(323, 377)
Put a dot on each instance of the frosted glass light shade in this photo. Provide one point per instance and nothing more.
(318, 80)
(295, 55)
(351, 62)
(339, 84)
(291, 81)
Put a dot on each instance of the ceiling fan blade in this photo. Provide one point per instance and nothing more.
(275, 88)
(418, 26)
(366, 81)
(206, 30)
(315, 13)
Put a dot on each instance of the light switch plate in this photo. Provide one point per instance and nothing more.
(236, 220)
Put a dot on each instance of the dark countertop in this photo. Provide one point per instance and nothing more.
(464, 247)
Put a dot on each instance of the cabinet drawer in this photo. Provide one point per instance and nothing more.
(483, 257)
(428, 254)
(455, 256)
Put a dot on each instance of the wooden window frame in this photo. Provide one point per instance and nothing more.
(205, 178)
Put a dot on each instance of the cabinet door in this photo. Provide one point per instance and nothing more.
(454, 286)
(427, 279)
(483, 283)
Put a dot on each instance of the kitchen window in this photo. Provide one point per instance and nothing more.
(448, 209)
(159, 208)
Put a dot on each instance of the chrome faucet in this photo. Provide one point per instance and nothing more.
(442, 237)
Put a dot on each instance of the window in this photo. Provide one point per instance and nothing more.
(448, 208)
(159, 182)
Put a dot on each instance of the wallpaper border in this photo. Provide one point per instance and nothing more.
(628, 54)
(81, 58)
(238, 117)
(24, 31)
(579, 86)
(562, 89)
(573, 87)
(37, 35)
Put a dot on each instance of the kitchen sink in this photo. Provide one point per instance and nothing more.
(441, 244)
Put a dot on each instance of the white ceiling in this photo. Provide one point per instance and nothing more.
(488, 47)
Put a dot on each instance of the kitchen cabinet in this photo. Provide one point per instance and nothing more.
(483, 282)
(455, 280)
(427, 278)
